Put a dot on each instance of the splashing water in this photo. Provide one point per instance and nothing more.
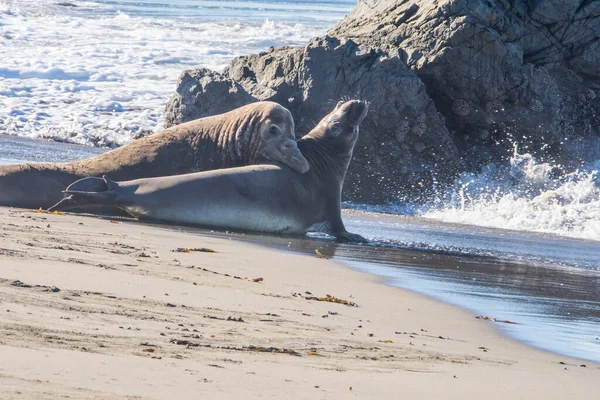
(525, 195)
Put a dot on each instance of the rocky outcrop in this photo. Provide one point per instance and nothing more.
(403, 146)
(501, 72)
(452, 84)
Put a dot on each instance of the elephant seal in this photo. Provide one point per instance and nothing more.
(253, 134)
(262, 198)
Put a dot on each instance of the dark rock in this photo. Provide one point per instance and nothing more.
(403, 141)
(551, 11)
(501, 72)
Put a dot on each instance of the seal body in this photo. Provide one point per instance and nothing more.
(264, 198)
(254, 134)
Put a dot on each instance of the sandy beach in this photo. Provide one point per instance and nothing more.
(94, 308)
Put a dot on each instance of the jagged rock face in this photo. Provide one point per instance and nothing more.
(403, 145)
(452, 84)
(501, 72)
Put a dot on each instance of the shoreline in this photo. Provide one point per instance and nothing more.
(555, 306)
(503, 327)
(133, 318)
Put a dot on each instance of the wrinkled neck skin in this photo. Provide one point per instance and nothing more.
(231, 142)
(328, 160)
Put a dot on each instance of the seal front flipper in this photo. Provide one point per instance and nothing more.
(88, 192)
(349, 237)
(337, 229)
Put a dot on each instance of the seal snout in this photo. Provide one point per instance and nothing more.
(352, 112)
(357, 111)
(292, 156)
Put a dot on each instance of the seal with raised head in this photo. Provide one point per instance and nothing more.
(264, 198)
(253, 134)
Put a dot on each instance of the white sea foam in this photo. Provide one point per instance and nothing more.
(95, 75)
(525, 195)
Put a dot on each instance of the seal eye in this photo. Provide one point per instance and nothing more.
(273, 130)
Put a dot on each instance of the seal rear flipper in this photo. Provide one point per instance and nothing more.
(95, 185)
(88, 192)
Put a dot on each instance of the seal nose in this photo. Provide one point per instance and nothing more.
(293, 157)
(357, 111)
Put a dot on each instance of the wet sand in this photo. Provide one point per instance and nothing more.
(16, 149)
(547, 283)
(96, 309)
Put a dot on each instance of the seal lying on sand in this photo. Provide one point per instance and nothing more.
(263, 198)
(249, 135)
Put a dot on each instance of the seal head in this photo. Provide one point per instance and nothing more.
(277, 133)
(330, 144)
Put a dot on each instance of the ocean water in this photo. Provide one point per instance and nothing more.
(99, 72)
(522, 194)
(518, 241)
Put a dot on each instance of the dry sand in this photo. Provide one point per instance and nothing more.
(95, 309)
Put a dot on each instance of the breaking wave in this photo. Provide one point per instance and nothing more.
(100, 72)
(524, 195)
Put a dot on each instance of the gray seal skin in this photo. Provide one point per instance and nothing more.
(256, 133)
(263, 198)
